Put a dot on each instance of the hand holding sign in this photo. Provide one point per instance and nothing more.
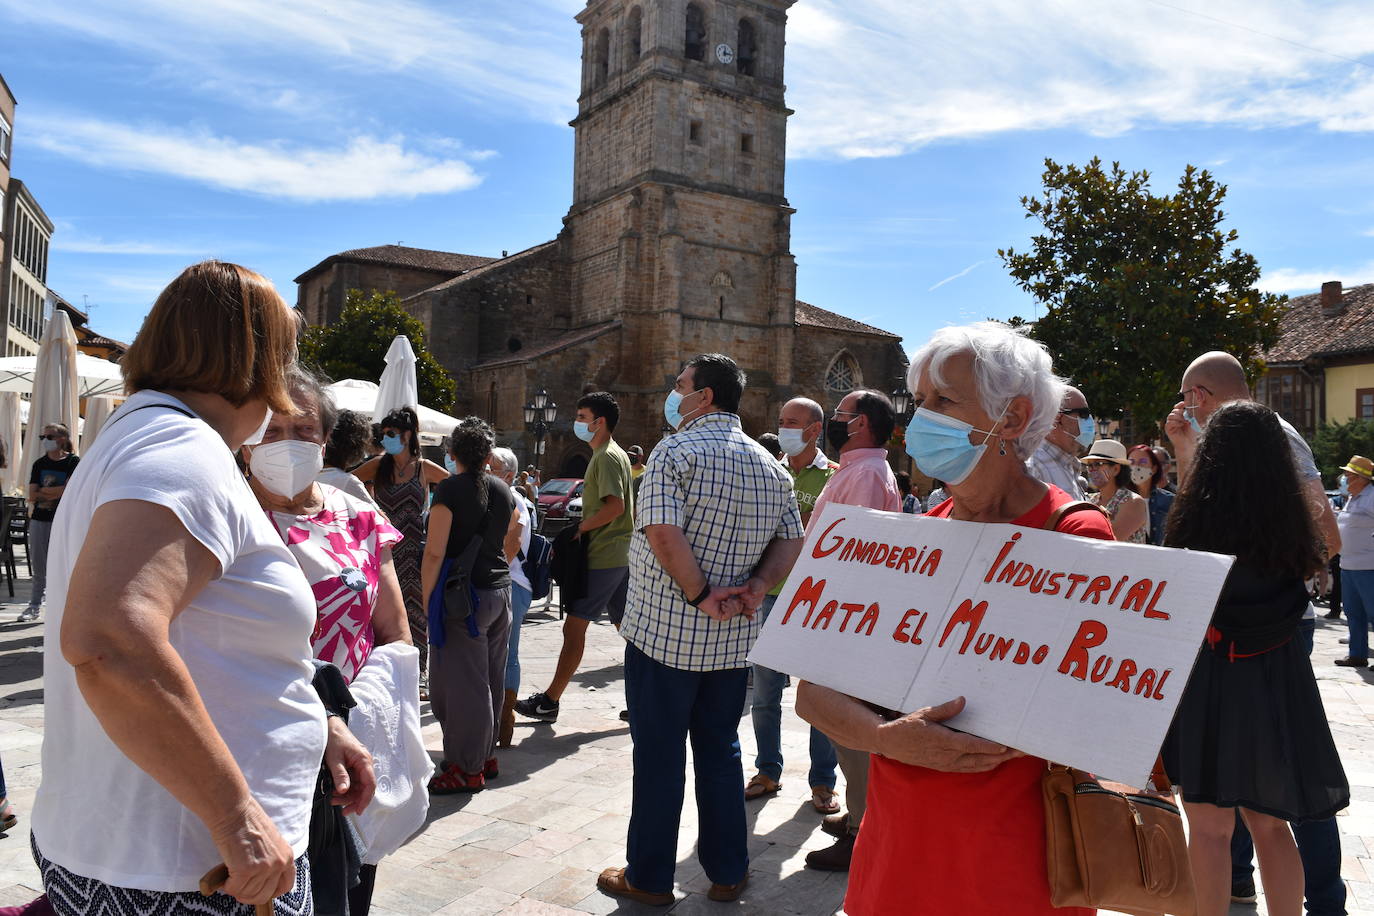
(920, 740)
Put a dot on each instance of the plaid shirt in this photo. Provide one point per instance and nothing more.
(730, 498)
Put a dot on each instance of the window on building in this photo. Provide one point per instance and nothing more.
(1364, 403)
(746, 51)
(4, 139)
(843, 375)
(746, 143)
(602, 69)
(634, 36)
(694, 132)
(694, 48)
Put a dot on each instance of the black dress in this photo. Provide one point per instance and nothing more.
(1250, 730)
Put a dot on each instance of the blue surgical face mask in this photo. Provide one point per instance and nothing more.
(791, 441)
(672, 405)
(583, 431)
(1087, 432)
(391, 444)
(939, 445)
(1190, 414)
(450, 464)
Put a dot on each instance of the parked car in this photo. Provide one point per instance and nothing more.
(555, 495)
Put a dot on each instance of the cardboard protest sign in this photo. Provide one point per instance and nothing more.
(1072, 649)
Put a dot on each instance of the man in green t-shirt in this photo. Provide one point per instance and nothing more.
(800, 424)
(607, 524)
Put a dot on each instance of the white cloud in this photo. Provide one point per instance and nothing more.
(952, 277)
(78, 245)
(884, 77)
(1369, 232)
(364, 169)
(1304, 280)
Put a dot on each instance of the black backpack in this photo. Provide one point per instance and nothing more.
(536, 563)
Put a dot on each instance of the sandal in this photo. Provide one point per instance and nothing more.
(824, 800)
(759, 786)
(7, 816)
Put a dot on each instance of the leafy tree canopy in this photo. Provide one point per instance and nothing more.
(355, 346)
(1136, 285)
(1336, 443)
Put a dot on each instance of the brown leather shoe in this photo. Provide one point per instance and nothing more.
(837, 825)
(836, 858)
(613, 881)
(725, 893)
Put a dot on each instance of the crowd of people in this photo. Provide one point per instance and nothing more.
(244, 584)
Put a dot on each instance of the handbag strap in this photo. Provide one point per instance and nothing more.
(1069, 508)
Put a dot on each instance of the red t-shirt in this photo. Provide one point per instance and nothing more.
(971, 844)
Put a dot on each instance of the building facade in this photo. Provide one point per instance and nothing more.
(677, 242)
(25, 235)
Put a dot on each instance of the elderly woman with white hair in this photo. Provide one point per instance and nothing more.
(955, 824)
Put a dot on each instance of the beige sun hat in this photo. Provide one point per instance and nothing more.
(1108, 450)
(1360, 465)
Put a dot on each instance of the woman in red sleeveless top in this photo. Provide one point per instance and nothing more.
(955, 824)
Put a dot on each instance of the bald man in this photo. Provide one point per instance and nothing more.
(1214, 379)
(1056, 460)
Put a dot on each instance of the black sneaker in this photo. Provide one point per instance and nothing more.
(538, 707)
(1243, 891)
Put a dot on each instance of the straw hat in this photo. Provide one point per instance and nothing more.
(1108, 450)
(1362, 466)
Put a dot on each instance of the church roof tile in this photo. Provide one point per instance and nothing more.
(401, 256)
(481, 270)
(814, 316)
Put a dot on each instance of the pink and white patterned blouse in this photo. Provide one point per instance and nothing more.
(340, 550)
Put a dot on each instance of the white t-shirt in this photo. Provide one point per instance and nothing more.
(245, 638)
(342, 480)
(517, 569)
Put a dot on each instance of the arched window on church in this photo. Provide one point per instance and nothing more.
(747, 48)
(602, 68)
(843, 376)
(491, 404)
(695, 46)
(634, 36)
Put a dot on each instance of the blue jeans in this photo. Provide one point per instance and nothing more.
(766, 713)
(667, 707)
(520, 599)
(1357, 600)
(1319, 846)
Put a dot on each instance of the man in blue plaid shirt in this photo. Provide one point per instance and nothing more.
(717, 526)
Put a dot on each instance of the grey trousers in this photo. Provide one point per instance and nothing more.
(467, 681)
(854, 766)
(39, 534)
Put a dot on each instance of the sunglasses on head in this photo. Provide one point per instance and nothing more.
(1081, 413)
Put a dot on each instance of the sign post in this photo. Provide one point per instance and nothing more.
(1072, 649)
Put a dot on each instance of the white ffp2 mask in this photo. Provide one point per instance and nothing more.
(286, 467)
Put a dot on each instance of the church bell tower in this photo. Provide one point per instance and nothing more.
(679, 226)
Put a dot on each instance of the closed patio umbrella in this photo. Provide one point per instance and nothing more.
(397, 387)
(11, 423)
(98, 410)
(55, 386)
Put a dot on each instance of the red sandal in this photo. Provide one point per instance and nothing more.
(451, 781)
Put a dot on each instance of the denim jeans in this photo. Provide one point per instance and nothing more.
(1319, 846)
(1357, 600)
(520, 599)
(667, 707)
(39, 535)
(766, 713)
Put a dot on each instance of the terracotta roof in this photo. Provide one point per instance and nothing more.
(814, 316)
(401, 256)
(492, 264)
(562, 342)
(1305, 333)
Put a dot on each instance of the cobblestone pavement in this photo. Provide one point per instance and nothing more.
(534, 842)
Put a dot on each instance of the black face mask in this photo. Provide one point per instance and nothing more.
(837, 433)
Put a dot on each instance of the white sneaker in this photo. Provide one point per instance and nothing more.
(27, 614)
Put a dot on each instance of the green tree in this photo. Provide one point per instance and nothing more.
(1136, 285)
(355, 346)
(1336, 443)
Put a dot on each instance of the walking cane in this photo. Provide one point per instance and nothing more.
(214, 880)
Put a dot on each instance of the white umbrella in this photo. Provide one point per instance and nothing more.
(98, 410)
(358, 396)
(11, 422)
(94, 376)
(398, 387)
(54, 384)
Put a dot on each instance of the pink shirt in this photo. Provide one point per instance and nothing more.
(864, 479)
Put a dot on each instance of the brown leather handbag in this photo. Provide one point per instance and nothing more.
(1114, 847)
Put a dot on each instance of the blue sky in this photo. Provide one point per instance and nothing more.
(159, 132)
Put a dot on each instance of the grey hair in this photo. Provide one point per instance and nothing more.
(301, 380)
(505, 459)
(1007, 364)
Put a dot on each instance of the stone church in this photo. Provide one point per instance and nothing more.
(678, 242)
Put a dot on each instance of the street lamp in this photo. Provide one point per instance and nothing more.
(539, 417)
(901, 404)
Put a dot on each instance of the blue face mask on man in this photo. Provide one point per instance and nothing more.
(1087, 432)
(583, 431)
(939, 445)
(672, 407)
